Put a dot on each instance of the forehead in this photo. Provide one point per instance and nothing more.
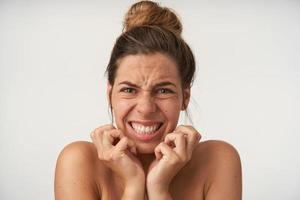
(147, 68)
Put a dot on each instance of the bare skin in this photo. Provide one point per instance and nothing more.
(214, 172)
(147, 155)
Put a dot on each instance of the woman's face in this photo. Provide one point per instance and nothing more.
(147, 98)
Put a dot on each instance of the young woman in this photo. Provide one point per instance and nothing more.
(147, 155)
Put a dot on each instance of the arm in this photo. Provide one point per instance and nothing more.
(226, 174)
(136, 191)
(74, 173)
(118, 153)
(171, 155)
(159, 194)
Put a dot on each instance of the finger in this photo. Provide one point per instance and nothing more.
(100, 130)
(124, 144)
(133, 150)
(193, 136)
(110, 138)
(157, 152)
(97, 138)
(185, 128)
(179, 140)
(132, 146)
(163, 150)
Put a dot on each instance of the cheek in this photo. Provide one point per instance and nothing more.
(121, 108)
(171, 110)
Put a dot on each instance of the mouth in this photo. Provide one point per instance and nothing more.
(146, 131)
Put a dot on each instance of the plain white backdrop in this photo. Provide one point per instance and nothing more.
(52, 60)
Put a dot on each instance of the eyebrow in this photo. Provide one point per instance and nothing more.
(164, 83)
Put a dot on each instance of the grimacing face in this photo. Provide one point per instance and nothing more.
(147, 98)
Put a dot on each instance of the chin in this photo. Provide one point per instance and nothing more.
(146, 148)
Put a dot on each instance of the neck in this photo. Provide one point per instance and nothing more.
(146, 160)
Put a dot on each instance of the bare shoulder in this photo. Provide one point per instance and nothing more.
(79, 149)
(218, 151)
(74, 173)
(223, 168)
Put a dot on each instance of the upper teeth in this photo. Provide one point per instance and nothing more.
(141, 129)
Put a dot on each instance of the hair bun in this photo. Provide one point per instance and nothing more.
(150, 13)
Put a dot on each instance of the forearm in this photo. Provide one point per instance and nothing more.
(154, 194)
(134, 191)
(130, 194)
(166, 196)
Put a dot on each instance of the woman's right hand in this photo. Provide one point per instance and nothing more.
(118, 152)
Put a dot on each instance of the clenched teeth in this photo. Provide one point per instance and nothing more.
(141, 129)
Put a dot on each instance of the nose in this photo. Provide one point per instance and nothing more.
(146, 104)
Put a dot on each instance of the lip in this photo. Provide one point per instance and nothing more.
(146, 137)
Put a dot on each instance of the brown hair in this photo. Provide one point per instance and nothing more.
(150, 28)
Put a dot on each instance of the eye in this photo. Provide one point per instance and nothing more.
(164, 91)
(128, 90)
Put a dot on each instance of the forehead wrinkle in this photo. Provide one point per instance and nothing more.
(149, 82)
(147, 71)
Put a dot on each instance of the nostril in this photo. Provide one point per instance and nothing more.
(146, 106)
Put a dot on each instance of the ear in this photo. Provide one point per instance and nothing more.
(186, 93)
(108, 93)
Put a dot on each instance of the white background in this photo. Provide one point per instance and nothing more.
(52, 60)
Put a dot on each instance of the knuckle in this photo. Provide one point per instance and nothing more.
(181, 136)
(98, 130)
(100, 155)
(107, 126)
(104, 128)
(168, 136)
(190, 126)
(106, 133)
(195, 134)
(107, 157)
(115, 156)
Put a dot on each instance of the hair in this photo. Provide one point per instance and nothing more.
(149, 28)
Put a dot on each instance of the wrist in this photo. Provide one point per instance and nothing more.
(157, 187)
(158, 192)
(159, 196)
(134, 190)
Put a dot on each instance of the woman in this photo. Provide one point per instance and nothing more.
(146, 155)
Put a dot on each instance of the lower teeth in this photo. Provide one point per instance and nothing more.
(144, 133)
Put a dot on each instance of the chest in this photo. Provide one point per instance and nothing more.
(183, 186)
(187, 186)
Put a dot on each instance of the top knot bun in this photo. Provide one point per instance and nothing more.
(150, 13)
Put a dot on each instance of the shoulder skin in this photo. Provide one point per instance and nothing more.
(224, 178)
(75, 172)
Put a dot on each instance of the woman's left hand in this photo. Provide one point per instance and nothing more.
(171, 155)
